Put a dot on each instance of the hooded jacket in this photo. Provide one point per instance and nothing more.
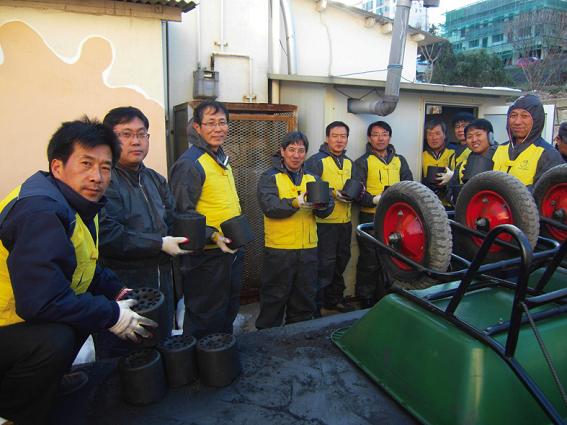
(286, 226)
(136, 217)
(335, 170)
(202, 181)
(376, 173)
(528, 159)
(48, 253)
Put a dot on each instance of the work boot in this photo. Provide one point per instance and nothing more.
(72, 382)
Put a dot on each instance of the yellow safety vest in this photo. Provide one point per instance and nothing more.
(381, 175)
(337, 179)
(86, 254)
(523, 167)
(461, 158)
(218, 201)
(445, 160)
(298, 231)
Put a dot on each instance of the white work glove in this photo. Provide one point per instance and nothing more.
(342, 198)
(444, 178)
(170, 245)
(302, 203)
(222, 242)
(376, 199)
(129, 324)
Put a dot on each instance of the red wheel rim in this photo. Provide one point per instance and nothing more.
(485, 211)
(553, 206)
(404, 231)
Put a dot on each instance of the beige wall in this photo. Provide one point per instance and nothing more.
(57, 66)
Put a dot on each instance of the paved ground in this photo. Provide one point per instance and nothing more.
(291, 375)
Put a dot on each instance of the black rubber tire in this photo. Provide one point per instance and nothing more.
(552, 177)
(437, 232)
(518, 200)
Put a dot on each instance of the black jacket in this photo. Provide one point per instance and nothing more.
(268, 195)
(188, 177)
(37, 231)
(136, 217)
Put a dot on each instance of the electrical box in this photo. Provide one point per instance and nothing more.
(205, 84)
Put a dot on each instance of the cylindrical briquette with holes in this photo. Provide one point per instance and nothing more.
(178, 352)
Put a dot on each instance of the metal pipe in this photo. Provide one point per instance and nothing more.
(387, 103)
(222, 25)
(275, 34)
(198, 17)
(289, 37)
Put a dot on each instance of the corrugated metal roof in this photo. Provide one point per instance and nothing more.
(416, 87)
(185, 6)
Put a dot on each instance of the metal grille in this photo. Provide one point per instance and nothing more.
(251, 142)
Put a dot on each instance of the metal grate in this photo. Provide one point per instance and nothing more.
(250, 145)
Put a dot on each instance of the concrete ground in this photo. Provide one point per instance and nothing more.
(290, 375)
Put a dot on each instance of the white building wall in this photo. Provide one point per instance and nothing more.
(337, 43)
(245, 28)
(329, 43)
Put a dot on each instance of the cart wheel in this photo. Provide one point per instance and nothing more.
(550, 193)
(412, 220)
(488, 200)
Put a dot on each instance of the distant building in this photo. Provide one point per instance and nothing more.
(483, 25)
(387, 8)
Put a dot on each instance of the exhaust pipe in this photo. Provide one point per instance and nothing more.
(387, 103)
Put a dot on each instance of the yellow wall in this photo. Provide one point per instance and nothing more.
(57, 66)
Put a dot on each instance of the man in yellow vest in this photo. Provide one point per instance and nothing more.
(334, 232)
(460, 121)
(379, 168)
(289, 271)
(480, 142)
(526, 155)
(437, 154)
(202, 182)
(52, 292)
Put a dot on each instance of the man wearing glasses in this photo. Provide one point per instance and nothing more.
(289, 270)
(135, 225)
(379, 168)
(202, 182)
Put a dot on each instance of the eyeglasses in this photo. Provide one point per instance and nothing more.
(129, 136)
(215, 124)
(385, 134)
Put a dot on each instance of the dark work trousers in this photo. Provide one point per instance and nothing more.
(333, 251)
(289, 286)
(211, 288)
(369, 279)
(33, 358)
(108, 345)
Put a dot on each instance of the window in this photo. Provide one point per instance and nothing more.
(463, 32)
(473, 43)
(497, 38)
(485, 42)
(368, 5)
